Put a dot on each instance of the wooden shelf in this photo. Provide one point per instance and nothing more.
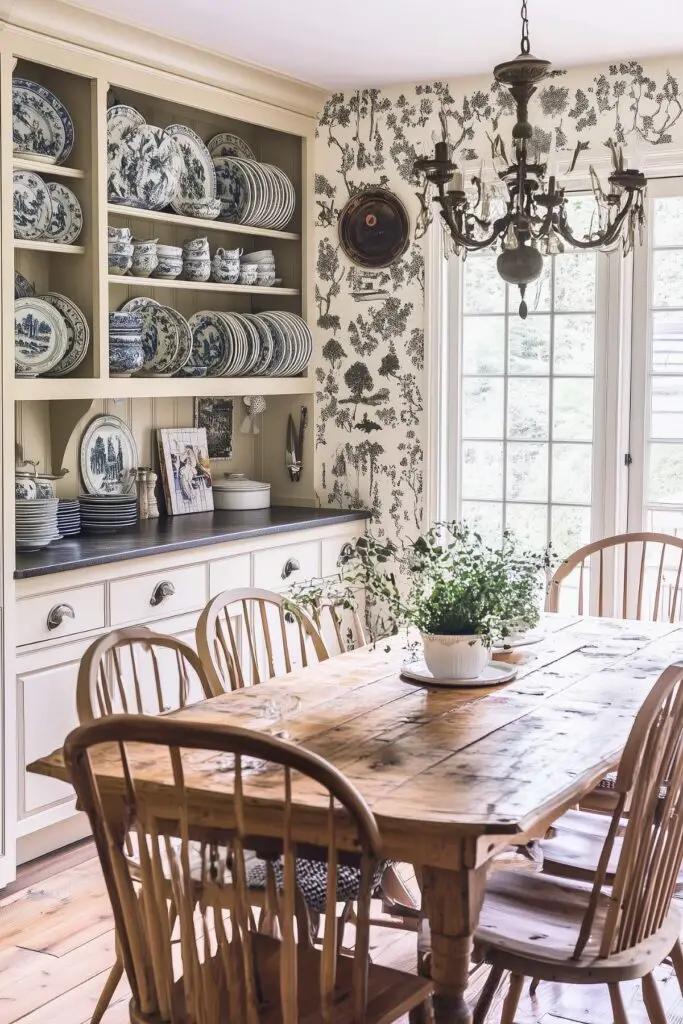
(69, 388)
(38, 246)
(198, 286)
(21, 163)
(155, 217)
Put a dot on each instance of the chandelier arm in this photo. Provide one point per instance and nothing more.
(467, 241)
(544, 227)
(607, 238)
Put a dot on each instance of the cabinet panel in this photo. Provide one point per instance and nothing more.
(229, 574)
(74, 610)
(157, 594)
(46, 706)
(277, 568)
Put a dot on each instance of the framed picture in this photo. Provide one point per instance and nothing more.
(215, 416)
(185, 470)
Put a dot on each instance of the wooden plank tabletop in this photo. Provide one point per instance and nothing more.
(441, 764)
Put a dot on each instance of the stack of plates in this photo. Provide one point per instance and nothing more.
(250, 192)
(51, 335)
(36, 523)
(275, 344)
(45, 210)
(107, 513)
(69, 517)
(166, 336)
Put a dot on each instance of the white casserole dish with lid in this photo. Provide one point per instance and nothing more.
(237, 492)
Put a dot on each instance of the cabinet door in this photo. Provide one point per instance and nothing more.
(46, 709)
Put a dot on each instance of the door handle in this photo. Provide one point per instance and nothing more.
(161, 592)
(57, 614)
(290, 566)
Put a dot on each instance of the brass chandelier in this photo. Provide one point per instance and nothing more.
(533, 219)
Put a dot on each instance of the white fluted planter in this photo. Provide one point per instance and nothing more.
(455, 657)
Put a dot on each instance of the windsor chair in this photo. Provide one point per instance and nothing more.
(249, 635)
(224, 970)
(623, 925)
(135, 671)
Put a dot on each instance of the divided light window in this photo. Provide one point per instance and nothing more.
(527, 422)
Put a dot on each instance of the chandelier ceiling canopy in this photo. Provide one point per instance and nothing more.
(524, 211)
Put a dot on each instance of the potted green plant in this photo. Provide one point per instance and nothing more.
(460, 593)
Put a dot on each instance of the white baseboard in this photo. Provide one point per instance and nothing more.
(54, 837)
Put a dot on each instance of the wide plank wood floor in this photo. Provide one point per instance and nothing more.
(57, 945)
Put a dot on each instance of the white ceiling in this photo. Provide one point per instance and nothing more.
(343, 43)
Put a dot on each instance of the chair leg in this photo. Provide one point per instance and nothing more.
(486, 996)
(618, 1008)
(422, 1014)
(533, 987)
(653, 1001)
(677, 960)
(110, 986)
(512, 999)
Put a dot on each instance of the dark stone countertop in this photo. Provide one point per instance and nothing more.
(175, 533)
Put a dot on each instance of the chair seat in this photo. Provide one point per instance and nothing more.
(530, 923)
(391, 993)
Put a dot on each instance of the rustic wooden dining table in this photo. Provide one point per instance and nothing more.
(452, 775)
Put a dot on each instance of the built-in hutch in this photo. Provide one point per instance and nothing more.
(53, 604)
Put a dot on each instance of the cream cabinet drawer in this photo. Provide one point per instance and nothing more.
(278, 568)
(64, 613)
(229, 574)
(156, 594)
(330, 553)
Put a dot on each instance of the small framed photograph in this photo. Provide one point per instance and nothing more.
(185, 470)
(214, 415)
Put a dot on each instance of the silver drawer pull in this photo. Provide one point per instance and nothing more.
(162, 591)
(56, 615)
(290, 566)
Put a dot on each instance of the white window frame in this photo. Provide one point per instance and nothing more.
(641, 356)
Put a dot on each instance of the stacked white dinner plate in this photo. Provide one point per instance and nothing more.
(107, 513)
(69, 517)
(274, 344)
(253, 193)
(36, 523)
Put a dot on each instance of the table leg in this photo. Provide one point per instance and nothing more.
(452, 901)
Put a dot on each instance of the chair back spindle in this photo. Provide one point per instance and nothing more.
(226, 970)
(249, 636)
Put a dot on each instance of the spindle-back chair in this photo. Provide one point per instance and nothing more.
(541, 927)
(134, 670)
(227, 972)
(250, 635)
(340, 633)
(607, 584)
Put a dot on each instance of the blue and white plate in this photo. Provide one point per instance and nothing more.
(66, 222)
(41, 125)
(77, 331)
(266, 346)
(240, 345)
(153, 176)
(184, 343)
(109, 459)
(160, 340)
(77, 334)
(31, 205)
(253, 344)
(212, 342)
(40, 337)
(227, 144)
(231, 186)
(281, 346)
(122, 123)
(198, 176)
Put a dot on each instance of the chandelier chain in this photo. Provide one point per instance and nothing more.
(526, 45)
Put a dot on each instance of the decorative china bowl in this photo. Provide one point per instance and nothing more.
(121, 248)
(119, 265)
(122, 322)
(266, 279)
(248, 274)
(118, 234)
(262, 256)
(196, 248)
(170, 252)
(205, 209)
(126, 354)
(225, 273)
(144, 265)
(168, 269)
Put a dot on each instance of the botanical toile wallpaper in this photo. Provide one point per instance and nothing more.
(370, 325)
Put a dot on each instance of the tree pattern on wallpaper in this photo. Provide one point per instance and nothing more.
(370, 338)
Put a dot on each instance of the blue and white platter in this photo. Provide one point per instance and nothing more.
(31, 205)
(66, 222)
(109, 459)
(122, 124)
(42, 128)
(198, 175)
(212, 342)
(40, 337)
(77, 334)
